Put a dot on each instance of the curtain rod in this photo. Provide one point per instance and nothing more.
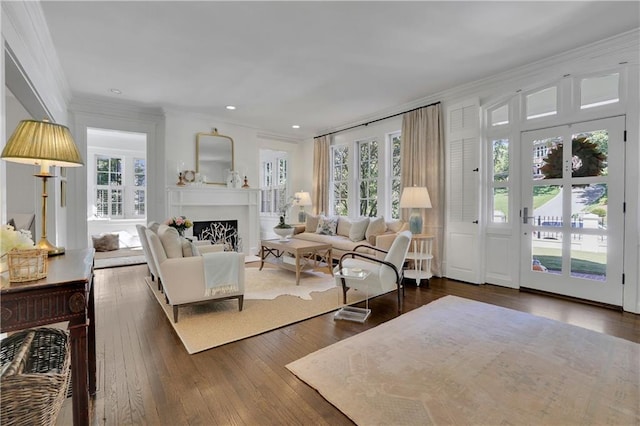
(376, 120)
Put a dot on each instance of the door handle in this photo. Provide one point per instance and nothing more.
(525, 215)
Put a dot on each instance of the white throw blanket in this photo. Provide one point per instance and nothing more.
(221, 272)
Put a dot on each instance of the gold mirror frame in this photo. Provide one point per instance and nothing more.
(214, 157)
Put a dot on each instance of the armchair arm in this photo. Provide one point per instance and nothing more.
(354, 254)
(211, 248)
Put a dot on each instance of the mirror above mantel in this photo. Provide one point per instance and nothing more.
(214, 157)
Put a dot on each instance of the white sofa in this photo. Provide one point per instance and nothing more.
(182, 272)
(349, 233)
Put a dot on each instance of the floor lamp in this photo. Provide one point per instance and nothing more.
(45, 144)
(415, 198)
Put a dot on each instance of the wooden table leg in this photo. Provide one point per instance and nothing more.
(261, 257)
(92, 342)
(79, 374)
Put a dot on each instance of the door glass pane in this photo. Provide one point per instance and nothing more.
(589, 154)
(546, 252)
(500, 205)
(589, 257)
(547, 205)
(547, 158)
(589, 206)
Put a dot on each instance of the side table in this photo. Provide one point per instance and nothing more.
(352, 313)
(420, 257)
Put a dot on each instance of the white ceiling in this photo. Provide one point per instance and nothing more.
(320, 65)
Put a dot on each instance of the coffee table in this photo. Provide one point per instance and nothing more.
(296, 255)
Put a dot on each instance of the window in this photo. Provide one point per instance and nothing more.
(139, 184)
(339, 181)
(274, 183)
(368, 178)
(598, 91)
(500, 116)
(396, 177)
(542, 103)
(500, 181)
(109, 190)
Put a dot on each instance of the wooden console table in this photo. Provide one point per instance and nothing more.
(65, 294)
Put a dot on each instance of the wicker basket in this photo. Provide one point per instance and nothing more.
(27, 265)
(35, 371)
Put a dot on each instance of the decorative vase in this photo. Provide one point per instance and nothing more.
(283, 233)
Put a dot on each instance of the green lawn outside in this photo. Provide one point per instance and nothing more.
(581, 261)
(501, 200)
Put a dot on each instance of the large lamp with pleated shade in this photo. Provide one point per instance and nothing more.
(415, 198)
(45, 144)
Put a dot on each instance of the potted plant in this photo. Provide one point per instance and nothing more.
(282, 229)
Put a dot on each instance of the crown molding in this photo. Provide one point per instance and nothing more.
(27, 36)
(600, 55)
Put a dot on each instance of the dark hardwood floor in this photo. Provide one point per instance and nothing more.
(145, 375)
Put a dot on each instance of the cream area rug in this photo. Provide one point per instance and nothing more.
(457, 361)
(272, 300)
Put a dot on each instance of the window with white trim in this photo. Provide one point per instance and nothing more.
(109, 188)
(139, 185)
(339, 180)
(367, 182)
(395, 143)
(274, 184)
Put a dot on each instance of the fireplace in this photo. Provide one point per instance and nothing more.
(212, 203)
(219, 232)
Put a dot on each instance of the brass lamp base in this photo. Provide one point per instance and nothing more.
(50, 248)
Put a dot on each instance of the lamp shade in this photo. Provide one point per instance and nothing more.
(415, 197)
(43, 143)
(303, 198)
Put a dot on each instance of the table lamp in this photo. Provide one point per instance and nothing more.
(45, 144)
(415, 198)
(303, 199)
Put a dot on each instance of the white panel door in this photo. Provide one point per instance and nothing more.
(572, 217)
(462, 240)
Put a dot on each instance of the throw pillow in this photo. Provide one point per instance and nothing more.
(311, 224)
(327, 225)
(395, 225)
(189, 248)
(170, 240)
(153, 226)
(358, 229)
(106, 242)
(376, 226)
(344, 226)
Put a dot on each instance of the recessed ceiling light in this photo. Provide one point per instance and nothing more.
(295, 126)
(116, 91)
(231, 107)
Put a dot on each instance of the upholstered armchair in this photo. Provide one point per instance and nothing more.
(385, 272)
(198, 278)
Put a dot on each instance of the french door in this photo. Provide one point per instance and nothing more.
(572, 217)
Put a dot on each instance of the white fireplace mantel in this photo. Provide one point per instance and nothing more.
(211, 203)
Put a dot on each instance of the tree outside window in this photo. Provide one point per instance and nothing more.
(396, 176)
(368, 178)
(339, 196)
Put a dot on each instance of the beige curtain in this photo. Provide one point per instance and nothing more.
(422, 153)
(321, 170)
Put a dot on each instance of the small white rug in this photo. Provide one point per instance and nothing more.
(460, 362)
(271, 283)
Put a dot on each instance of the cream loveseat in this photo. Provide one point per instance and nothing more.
(345, 234)
(185, 273)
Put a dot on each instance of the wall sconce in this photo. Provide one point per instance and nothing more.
(45, 144)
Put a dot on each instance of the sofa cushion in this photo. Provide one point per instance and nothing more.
(395, 225)
(376, 226)
(171, 241)
(344, 225)
(311, 224)
(153, 226)
(358, 229)
(189, 248)
(327, 225)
